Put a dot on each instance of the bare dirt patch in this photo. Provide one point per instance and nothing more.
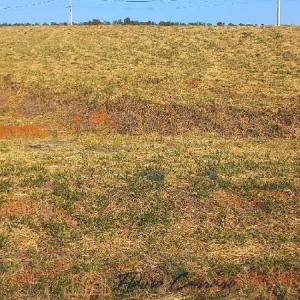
(101, 118)
(255, 280)
(23, 131)
(17, 206)
(26, 276)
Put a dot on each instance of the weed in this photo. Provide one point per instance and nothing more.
(103, 223)
(145, 180)
(2, 200)
(4, 148)
(170, 265)
(249, 187)
(3, 240)
(269, 264)
(4, 267)
(5, 185)
(278, 185)
(268, 205)
(228, 270)
(280, 291)
(64, 204)
(56, 231)
(153, 174)
(62, 189)
(151, 218)
(102, 200)
(35, 180)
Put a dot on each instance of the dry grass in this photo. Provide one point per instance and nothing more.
(150, 149)
(233, 79)
(106, 204)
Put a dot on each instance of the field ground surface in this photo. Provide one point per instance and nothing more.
(149, 162)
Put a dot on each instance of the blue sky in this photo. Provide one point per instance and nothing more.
(235, 11)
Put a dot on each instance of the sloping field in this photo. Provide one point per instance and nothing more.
(148, 162)
(156, 79)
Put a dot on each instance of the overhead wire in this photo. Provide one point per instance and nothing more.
(186, 3)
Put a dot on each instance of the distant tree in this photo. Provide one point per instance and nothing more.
(96, 22)
(127, 21)
(196, 23)
(118, 21)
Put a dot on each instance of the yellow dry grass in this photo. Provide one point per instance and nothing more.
(168, 150)
(232, 80)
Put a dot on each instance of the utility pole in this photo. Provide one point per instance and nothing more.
(71, 12)
(278, 13)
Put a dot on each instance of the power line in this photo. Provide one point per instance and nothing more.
(187, 2)
(38, 3)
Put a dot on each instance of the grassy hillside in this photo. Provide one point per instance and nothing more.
(147, 162)
(230, 80)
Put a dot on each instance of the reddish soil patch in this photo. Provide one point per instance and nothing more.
(285, 195)
(101, 118)
(194, 83)
(255, 280)
(27, 276)
(232, 200)
(7, 131)
(16, 207)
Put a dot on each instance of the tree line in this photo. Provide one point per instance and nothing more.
(127, 21)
